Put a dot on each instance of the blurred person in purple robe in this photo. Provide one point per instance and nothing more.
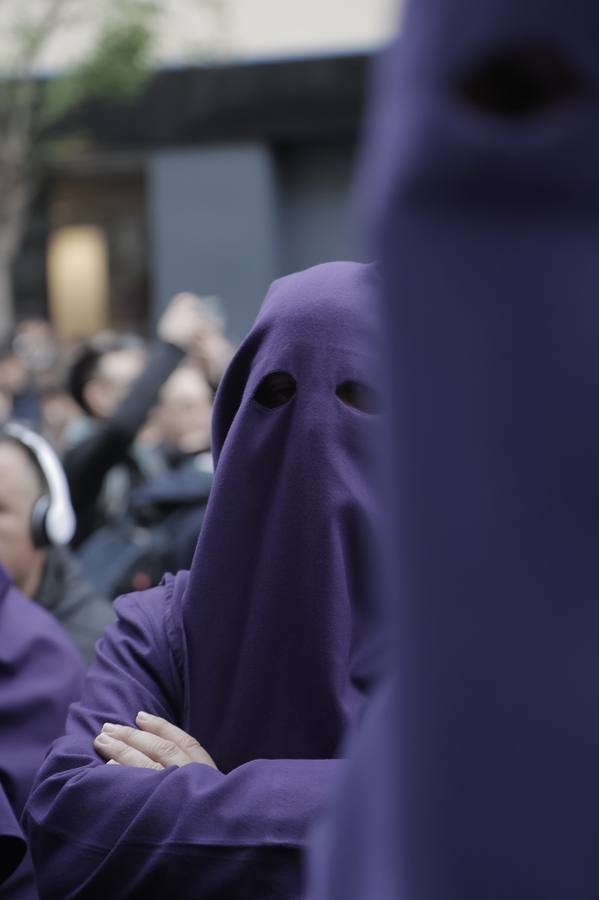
(476, 772)
(40, 675)
(208, 733)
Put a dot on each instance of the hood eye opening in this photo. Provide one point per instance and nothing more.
(360, 396)
(275, 390)
(515, 82)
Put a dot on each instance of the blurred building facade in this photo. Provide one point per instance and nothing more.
(217, 179)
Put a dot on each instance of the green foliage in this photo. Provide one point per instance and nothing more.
(117, 69)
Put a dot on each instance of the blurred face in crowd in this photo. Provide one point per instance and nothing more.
(184, 415)
(36, 346)
(20, 487)
(58, 411)
(13, 375)
(5, 405)
(115, 375)
(35, 339)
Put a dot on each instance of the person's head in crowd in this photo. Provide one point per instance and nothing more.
(58, 409)
(35, 344)
(22, 483)
(104, 371)
(13, 374)
(16, 381)
(184, 414)
(37, 522)
(5, 406)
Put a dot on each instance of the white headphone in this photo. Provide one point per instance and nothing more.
(53, 519)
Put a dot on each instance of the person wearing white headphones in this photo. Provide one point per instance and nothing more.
(37, 523)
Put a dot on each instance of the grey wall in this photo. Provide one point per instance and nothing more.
(229, 219)
(316, 215)
(212, 227)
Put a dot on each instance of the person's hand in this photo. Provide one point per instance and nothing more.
(183, 321)
(211, 349)
(154, 744)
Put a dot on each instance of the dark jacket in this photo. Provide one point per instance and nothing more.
(159, 535)
(66, 594)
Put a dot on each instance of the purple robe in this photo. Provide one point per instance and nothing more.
(258, 651)
(40, 675)
(12, 842)
(476, 777)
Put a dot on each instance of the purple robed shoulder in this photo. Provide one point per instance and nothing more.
(40, 674)
(258, 651)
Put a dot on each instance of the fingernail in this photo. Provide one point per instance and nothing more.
(144, 716)
(103, 739)
(109, 727)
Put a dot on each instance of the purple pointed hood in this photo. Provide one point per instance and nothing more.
(483, 183)
(279, 588)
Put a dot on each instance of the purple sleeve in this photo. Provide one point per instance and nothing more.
(192, 831)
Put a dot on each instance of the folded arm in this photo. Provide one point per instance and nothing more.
(190, 828)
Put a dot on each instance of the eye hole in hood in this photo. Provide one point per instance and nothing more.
(359, 396)
(275, 390)
(520, 81)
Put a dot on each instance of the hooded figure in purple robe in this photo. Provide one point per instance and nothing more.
(260, 651)
(40, 675)
(476, 776)
(12, 842)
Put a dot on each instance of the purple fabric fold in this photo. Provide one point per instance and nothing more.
(12, 842)
(40, 674)
(293, 500)
(482, 173)
(258, 652)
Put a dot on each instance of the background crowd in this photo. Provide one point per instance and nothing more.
(130, 422)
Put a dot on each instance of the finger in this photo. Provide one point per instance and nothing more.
(161, 750)
(169, 732)
(121, 753)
